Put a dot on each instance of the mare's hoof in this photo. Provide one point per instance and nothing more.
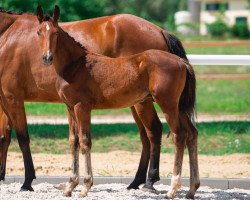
(25, 189)
(133, 186)
(189, 196)
(2, 178)
(149, 188)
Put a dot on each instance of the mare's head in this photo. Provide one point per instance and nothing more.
(48, 32)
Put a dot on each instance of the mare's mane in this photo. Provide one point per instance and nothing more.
(10, 12)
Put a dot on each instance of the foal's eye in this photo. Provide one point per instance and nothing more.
(39, 33)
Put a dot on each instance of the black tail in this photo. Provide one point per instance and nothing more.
(187, 101)
(174, 45)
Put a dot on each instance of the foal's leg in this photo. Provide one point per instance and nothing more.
(74, 146)
(153, 128)
(83, 115)
(141, 173)
(193, 159)
(5, 138)
(170, 110)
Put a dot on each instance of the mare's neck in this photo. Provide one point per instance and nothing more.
(6, 21)
(68, 56)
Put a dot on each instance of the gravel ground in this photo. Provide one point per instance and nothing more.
(114, 191)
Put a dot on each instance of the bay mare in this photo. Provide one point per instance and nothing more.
(87, 81)
(23, 79)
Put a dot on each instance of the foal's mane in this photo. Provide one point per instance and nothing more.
(10, 12)
(48, 18)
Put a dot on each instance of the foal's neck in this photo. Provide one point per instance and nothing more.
(6, 21)
(69, 55)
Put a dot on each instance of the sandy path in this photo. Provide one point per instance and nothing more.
(127, 118)
(122, 163)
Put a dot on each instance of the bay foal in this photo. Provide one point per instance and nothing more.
(23, 79)
(87, 81)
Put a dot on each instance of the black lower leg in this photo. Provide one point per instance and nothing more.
(153, 172)
(4, 145)
(28, 162)
(141, 173)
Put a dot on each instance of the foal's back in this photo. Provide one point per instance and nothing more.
(122, 82)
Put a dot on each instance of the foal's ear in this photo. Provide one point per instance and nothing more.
(56, 13)
(39, 13)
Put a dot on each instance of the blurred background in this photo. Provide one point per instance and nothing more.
(218, 18)
(204, 27)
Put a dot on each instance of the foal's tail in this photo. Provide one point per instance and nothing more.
(174, 45)
(188, 97)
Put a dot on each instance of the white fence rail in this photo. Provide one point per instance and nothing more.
(219, 59)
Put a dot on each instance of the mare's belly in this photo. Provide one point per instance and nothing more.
(121, 101)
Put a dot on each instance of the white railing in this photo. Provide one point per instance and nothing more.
(219, 59)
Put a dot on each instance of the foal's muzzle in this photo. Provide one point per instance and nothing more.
(47, 59)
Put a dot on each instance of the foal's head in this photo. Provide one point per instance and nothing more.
(48, 32)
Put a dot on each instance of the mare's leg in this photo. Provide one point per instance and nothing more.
(192, 145)
(170, 110)
(19, 122)
(74, 146)
(5, 138)
(153, 127)
(141, 173)
(83, 115)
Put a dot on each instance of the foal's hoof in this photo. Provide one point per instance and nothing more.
(189, 196)
(149, 188)
(170, 195)
(60, 186)
(25, 189)
(67, 193)
(82, 194)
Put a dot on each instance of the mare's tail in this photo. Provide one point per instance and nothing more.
(174, 45)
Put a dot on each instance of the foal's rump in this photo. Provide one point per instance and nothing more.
(174, 77)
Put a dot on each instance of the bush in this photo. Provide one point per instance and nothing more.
(240, 30)
(217, 28)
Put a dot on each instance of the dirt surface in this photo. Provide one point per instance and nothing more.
(115, 191)
(122, 163)
(128, 118)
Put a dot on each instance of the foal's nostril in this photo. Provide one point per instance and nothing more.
(50, 59)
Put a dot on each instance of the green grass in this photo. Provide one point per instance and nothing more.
(223, 96)
(216, 138)
(213, 97)
(234, 50)
(203, 70)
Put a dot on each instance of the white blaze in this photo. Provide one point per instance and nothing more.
(47, 27)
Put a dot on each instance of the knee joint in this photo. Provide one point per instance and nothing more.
(179, 139)
(85, 145)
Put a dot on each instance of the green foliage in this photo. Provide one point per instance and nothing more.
(240, 30)
(157, 10)
(217, 28)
